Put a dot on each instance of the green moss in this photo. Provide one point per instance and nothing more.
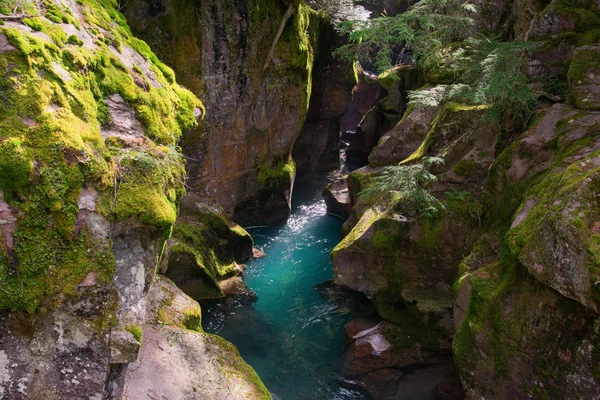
(51, 147)
(56, 33)
(192, 319)
(382, 240)
(73, 39)
(279, 174)
(465, 168)
(209, 245)
(462, 205)
(585, 61)
(136, 331)
(16, 165)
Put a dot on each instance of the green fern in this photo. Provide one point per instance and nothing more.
(403, 187)
(440, 38)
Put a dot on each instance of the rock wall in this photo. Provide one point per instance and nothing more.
(240, 154)
(90, 181)
(508, 274)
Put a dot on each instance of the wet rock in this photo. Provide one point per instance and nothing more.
(317, 147)
(337, 198)
(256, 253)
(235, 286)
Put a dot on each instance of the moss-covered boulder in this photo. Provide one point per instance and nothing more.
(526, 310)
(205, 249)
(404, 138)
(464, 138)
(584, 77)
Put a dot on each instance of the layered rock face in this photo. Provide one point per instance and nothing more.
(256, 101)
(508, 274)
(90, 181)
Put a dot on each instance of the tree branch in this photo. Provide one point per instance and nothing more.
(289, 12)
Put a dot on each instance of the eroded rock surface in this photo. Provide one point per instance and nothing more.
(178, 361)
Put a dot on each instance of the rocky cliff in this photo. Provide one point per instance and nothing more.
(256, 86)
(506, 275)
(90, 182)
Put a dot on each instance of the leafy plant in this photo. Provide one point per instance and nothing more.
(423, 34)
(404, 186)
(440, 38)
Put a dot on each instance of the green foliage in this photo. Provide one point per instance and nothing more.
(425, 32)
(494, 77)
(439, 36)
(403, 186)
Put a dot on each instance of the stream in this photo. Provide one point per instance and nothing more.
(293, 335)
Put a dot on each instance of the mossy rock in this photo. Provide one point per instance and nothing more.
(205, 249)
(583, 78)
(52, 117)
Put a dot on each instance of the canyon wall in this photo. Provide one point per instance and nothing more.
(90, 182)
(507, 276)
(240, 155)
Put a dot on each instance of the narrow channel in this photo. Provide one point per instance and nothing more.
(293, 335)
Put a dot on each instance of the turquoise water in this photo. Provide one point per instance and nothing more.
(293, 335)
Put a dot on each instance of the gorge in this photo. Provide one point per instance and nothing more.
(152, 150)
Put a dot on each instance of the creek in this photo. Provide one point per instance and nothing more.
(293, 335)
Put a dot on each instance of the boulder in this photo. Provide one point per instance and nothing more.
(177, 360)
(337, 198)
(205, 249)
(404, 138)
(526, 311)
